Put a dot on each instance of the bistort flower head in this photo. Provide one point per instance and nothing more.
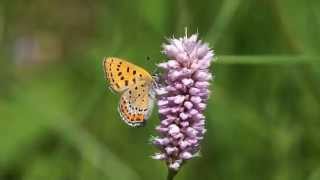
(181, 97)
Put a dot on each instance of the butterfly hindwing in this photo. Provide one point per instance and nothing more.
(136, 104)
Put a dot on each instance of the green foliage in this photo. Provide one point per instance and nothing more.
(58, 120)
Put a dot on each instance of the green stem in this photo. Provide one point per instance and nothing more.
(267, 59)
(171, 174)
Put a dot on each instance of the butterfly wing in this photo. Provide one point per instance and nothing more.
(136, 104)
(122, 74)
(135, 84)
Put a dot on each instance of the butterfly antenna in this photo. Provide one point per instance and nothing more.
(155, 71)
(155, 75)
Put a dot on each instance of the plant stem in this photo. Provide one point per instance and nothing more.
(171, 174)
(267, 59)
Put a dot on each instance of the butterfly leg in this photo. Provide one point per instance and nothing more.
(111, 89)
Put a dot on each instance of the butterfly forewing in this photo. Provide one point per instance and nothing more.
(122, 74)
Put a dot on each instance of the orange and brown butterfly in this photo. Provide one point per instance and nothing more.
(135, 86)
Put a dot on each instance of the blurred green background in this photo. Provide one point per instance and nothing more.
(59, 121)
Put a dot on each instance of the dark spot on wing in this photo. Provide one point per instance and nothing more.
(128, 69)
(119, 74)
(122, 78)
(126, 83)
(134, 72)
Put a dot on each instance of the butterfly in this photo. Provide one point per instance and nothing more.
(136, 88)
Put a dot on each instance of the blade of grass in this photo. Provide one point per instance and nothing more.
(224, 18)
(2, 24)
(304, 29)
(268, 59)
(182, 15)
(94, 152)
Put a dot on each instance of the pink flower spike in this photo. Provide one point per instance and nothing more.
(182, 94)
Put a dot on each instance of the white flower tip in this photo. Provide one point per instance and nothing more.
(183, 116)
(161, 91)
(163, 65)
(171, 150)
(184, 123)
(179, 99)
(158, 156)
(173, 64)
(174, 166)
(162, 102)
(195, 99)
(186, 155)
(174, 129)
(193, 37)
(188, 104)
(187, 82)
(197, 154)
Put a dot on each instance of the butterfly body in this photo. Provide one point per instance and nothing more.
(136, 88)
